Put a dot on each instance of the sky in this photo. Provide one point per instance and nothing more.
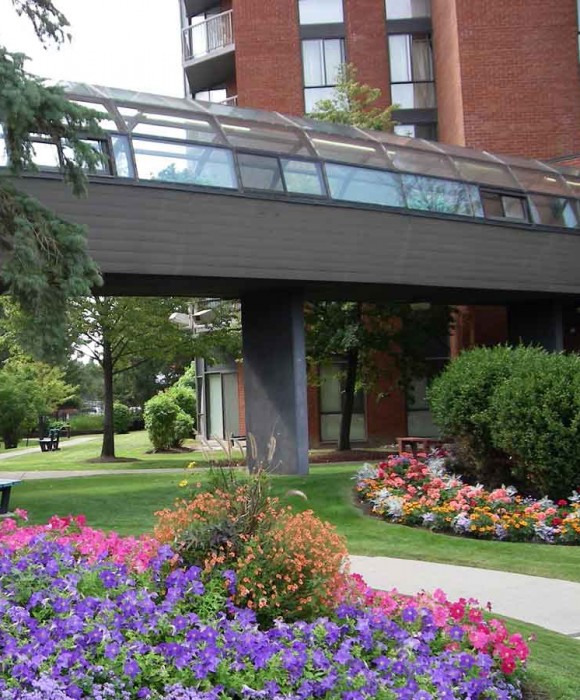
(132, 44)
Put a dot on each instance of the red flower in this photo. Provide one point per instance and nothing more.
(556, 521)
(562, 503)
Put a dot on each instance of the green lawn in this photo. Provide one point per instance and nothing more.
(132, 446)
(126, 503)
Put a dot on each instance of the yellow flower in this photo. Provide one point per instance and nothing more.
(183, 483)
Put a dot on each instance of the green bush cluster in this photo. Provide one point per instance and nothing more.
(515, 414)
(168, 417)
(122, 418)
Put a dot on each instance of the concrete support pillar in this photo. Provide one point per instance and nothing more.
(537, 323)
(275, 379)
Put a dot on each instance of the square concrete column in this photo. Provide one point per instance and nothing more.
(537, 323)
(275, 379)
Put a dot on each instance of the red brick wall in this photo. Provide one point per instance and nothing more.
(520, 75)
(268, 55)
(386, 417)
(366, 43)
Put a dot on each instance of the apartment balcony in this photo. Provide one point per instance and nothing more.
(208, 51)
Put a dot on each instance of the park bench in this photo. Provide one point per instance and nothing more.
(50, 443)
(5, 488)
(417, 444)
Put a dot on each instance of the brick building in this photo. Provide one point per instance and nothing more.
(489, 74)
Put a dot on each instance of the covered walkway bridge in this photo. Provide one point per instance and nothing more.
(204, 199)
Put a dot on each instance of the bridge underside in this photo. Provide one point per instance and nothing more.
(150, 239)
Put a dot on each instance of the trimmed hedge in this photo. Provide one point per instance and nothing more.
(168, 426)
(122, 418)
(515, 414)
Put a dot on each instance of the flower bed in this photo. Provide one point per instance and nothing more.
(74, 626)
(421, 492)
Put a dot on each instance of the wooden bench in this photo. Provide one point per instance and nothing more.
(417, 444)
(5, 489)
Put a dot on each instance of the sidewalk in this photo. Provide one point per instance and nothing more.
(73, 473)
(12, 454)
(549, 603)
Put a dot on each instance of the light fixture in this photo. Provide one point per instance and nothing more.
(235, 127)
(341, 144)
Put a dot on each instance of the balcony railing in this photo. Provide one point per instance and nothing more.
(205, 37)
(231, 101)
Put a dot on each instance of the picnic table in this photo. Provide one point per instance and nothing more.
(5, 489)
(417, 444)
(50, 443)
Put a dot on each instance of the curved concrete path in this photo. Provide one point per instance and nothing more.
(550, 603)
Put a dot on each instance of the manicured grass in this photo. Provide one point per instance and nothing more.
(131, 446)
(126, 503)
(554, 663)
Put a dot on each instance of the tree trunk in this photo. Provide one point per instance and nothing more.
(108, 449)
(348, 404)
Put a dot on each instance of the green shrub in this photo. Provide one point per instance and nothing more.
(185, 398)
(535, 419)
(87, 422)
(168, 426)
(459, 399)
(16, 411)
(122, 418)
(182, 429)
(515, 416)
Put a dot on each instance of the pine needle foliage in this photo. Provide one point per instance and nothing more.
(44, 259)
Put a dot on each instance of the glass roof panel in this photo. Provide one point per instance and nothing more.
(389, 139)
(311, 125)
(358, 151)
(541, 180)
(422, 162)
(219, 110)
(486, 173)
(263, 137)
(198, 129)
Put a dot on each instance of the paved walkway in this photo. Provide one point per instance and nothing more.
(11, 454)
(549, 603)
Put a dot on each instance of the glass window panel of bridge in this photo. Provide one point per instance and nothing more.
(320, 11)
(185, 163)
(260, 172)
(105, 121)
(354, 151)
(497, 205)
(122, 156)
(351, 184)
(45, 155)
(303, 177)
(179, 128)
(436, 195)
(553, 211)
(408, 9)
(100, 147)
(263, 137)
(3, 153)
(485, 172)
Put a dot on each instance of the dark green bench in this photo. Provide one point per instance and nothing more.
(5, 489)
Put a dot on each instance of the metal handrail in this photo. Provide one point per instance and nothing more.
(231, 101)
(205, 37)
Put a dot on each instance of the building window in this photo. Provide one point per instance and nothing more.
(411, 63)
(408, 9)
(331, 402)
(417, 131)
(320, 11)
(216, 95)
(322, 59)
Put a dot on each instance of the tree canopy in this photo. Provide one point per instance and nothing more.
(44, 259)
